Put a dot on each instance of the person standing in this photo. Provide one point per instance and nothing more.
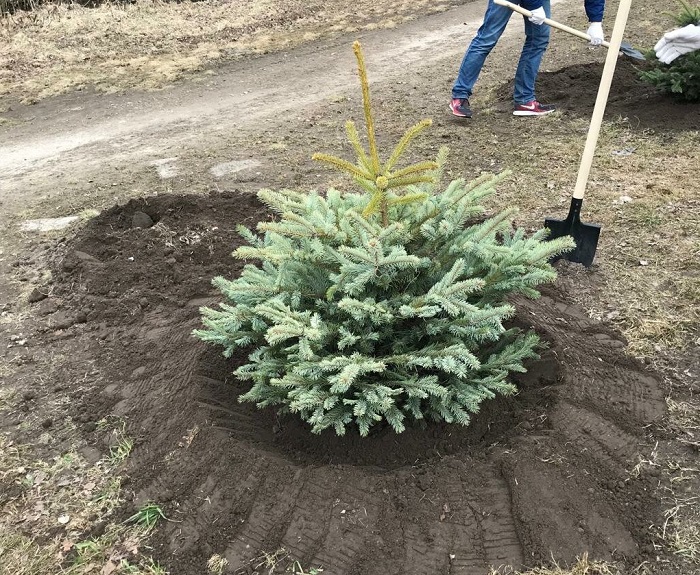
(536, 41)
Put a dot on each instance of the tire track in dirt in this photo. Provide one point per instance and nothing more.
(594, 436)
(310, 519)
(271, 505)
(351, 517)
(324, 515)
(473, 528)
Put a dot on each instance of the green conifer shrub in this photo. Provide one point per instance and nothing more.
(680, 78)
(383, 304)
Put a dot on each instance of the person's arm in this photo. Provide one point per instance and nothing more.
(678, 42)
(594, 11)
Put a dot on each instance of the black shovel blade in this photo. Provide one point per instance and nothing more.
(585, 235)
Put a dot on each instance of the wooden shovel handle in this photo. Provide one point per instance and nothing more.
(548, 21)
(602, 97)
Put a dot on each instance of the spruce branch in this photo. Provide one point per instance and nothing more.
(283, 200)
(407, 199)
(374, 205)
(369, 173)
(354, 138)
(419, 167)
(364, 223)
(440, 160)
(494, 224)
(407, 181)
(405, 140)
(366, 104)
(344, 165)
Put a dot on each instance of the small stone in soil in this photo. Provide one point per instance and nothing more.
(141, 220)
(36, 295)
(86, 257)
(47, 307)
(62, 321)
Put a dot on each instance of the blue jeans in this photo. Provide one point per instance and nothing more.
(495, 21)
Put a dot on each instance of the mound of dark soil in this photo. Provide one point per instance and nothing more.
(574, 90)
(544, 473)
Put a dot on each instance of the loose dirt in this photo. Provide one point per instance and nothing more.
(546, 472)
(575, 88)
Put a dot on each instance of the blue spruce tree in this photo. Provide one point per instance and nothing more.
(383, 304)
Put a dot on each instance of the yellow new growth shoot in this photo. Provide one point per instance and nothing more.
(369, 172)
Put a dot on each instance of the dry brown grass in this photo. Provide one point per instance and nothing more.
(64, 491)
(648, 261)
(583, 566)
(149, 44)
(681, 529)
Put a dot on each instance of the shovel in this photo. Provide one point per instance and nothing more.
(586, 235)
(625, 48)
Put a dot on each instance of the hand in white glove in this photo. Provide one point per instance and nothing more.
(595, 31)
(678, 42)
(537, 16)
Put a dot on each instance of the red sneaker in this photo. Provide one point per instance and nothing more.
(460, 107)
(533, 108)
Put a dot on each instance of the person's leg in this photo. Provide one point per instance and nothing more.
(536, 41)
(495, 21)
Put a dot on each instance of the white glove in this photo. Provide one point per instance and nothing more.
(678, 42)
(537, 16)
(595, 31)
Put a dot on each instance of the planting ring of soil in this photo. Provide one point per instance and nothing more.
(544, 473)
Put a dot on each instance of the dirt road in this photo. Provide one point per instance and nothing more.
(84, 138)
